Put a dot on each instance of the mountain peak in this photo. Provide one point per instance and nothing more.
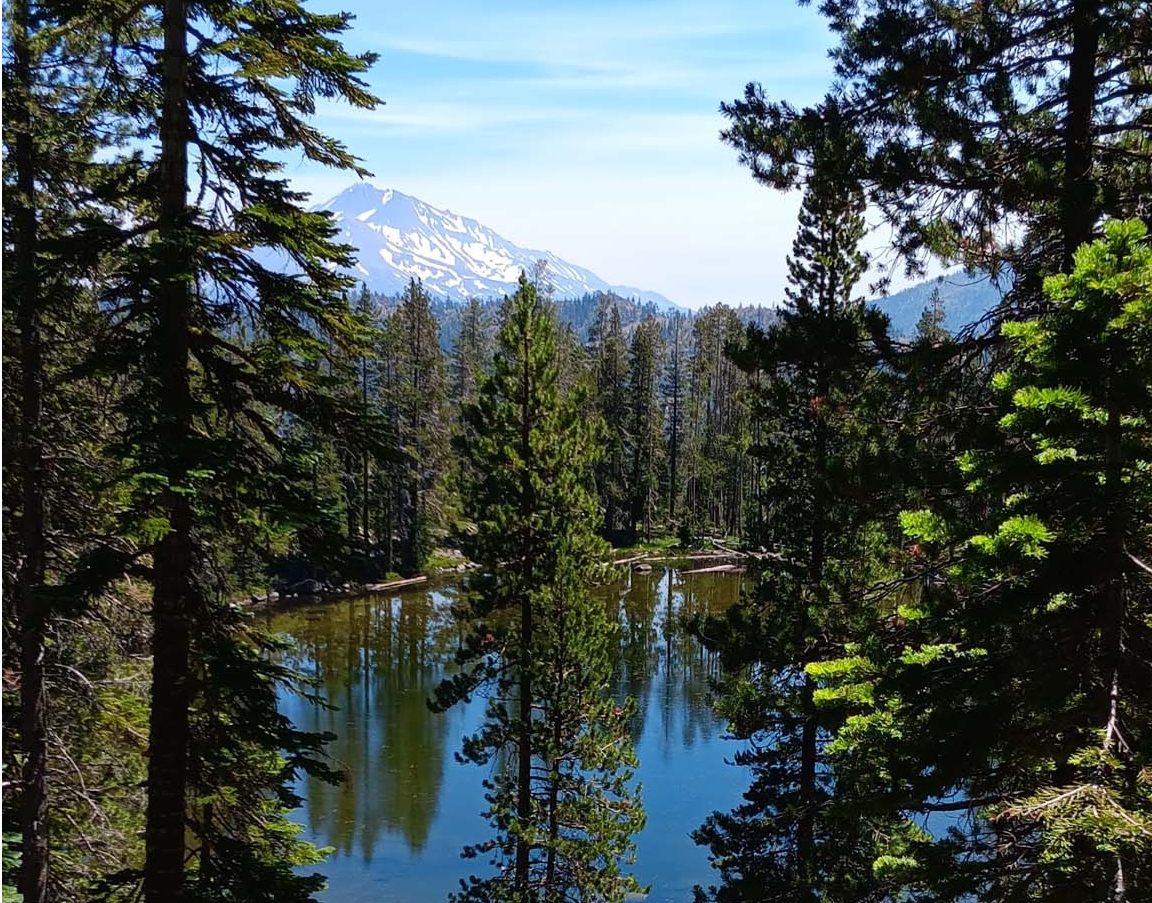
(399, 237)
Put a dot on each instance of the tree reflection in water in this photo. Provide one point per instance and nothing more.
(375, 659)
(407, 807)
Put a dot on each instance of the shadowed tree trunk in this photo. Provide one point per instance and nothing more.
(1079, 203)
(173, 595)
(524, 756)
(33, 700)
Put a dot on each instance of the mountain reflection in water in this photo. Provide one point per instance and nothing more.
(398, 823)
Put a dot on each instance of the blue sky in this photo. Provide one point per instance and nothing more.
(587, 128)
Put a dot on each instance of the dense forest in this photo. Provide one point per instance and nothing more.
(942, 677)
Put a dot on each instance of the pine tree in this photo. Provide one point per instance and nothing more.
(391, 476)
(718, 421)
(369, 401)
(471, 352)
(355, 378)
(57, 115)
(419, 396)
(18, 95)
(610, 368)
(930, 326)
(216, 345)
(647, 422)
(561, 800)
(816, 396)
(1048, 96)
(676, 391)
(574, 363)
(1014, 695)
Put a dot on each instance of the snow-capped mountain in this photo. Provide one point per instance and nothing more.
(399, 237)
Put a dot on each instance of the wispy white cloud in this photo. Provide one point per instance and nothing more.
(415, 117)
(601, 35)
(590, 129)
(694, 46)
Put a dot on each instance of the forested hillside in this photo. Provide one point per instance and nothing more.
(958, 302)
(939, 676)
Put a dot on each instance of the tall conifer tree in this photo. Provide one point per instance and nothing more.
(419, 397)
(930, 327)
(59, 112)
(610, 372)
(470, 352)
(202, 427)
(978, 117)
(562, 800)
(816, 395)
(647, 422)
(718, 421)
(1015, 695)
(676, 392)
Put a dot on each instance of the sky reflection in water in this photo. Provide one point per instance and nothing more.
(399, 822)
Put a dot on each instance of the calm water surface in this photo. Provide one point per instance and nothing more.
(408, 807)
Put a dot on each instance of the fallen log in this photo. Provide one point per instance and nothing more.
(716, 569)
(395, 584)
(622, 561)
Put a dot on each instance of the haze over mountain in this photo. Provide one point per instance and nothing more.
(400, 237)
(965, 300)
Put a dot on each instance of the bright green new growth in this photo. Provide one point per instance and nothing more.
(817, 388)
(1024, 702)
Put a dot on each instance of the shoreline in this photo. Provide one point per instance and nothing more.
(312, 591)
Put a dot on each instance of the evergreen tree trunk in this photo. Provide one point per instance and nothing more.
(351, 503)
(366, 497)
(33, 699)
(564, 811)
(806, 833)
(1079, 202)
(553, 817)
(389, 525)
(390, 481)
(412, 495)
(524, 758)
(173, 594)
(1114, 609)
(674, 450)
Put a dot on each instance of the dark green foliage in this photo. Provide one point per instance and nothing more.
(57, 114)
(609, 350)
(471, 352)
(676, 393)
(561, 798)
(1014, 692)
(952, 703)
(930, 326)
(248, 757)
(647, 423)
(817, 402)
(966, 299)
(583, 313)
(216, 349)
(975, 115)
(416, 395)
(989, 717)
(717, 425)
(11, 864)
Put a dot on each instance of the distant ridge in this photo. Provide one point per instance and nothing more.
(400, 237)
(966, 299)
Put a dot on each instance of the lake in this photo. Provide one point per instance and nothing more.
(398, 823)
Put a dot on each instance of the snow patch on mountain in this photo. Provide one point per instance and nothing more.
(399, 237)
